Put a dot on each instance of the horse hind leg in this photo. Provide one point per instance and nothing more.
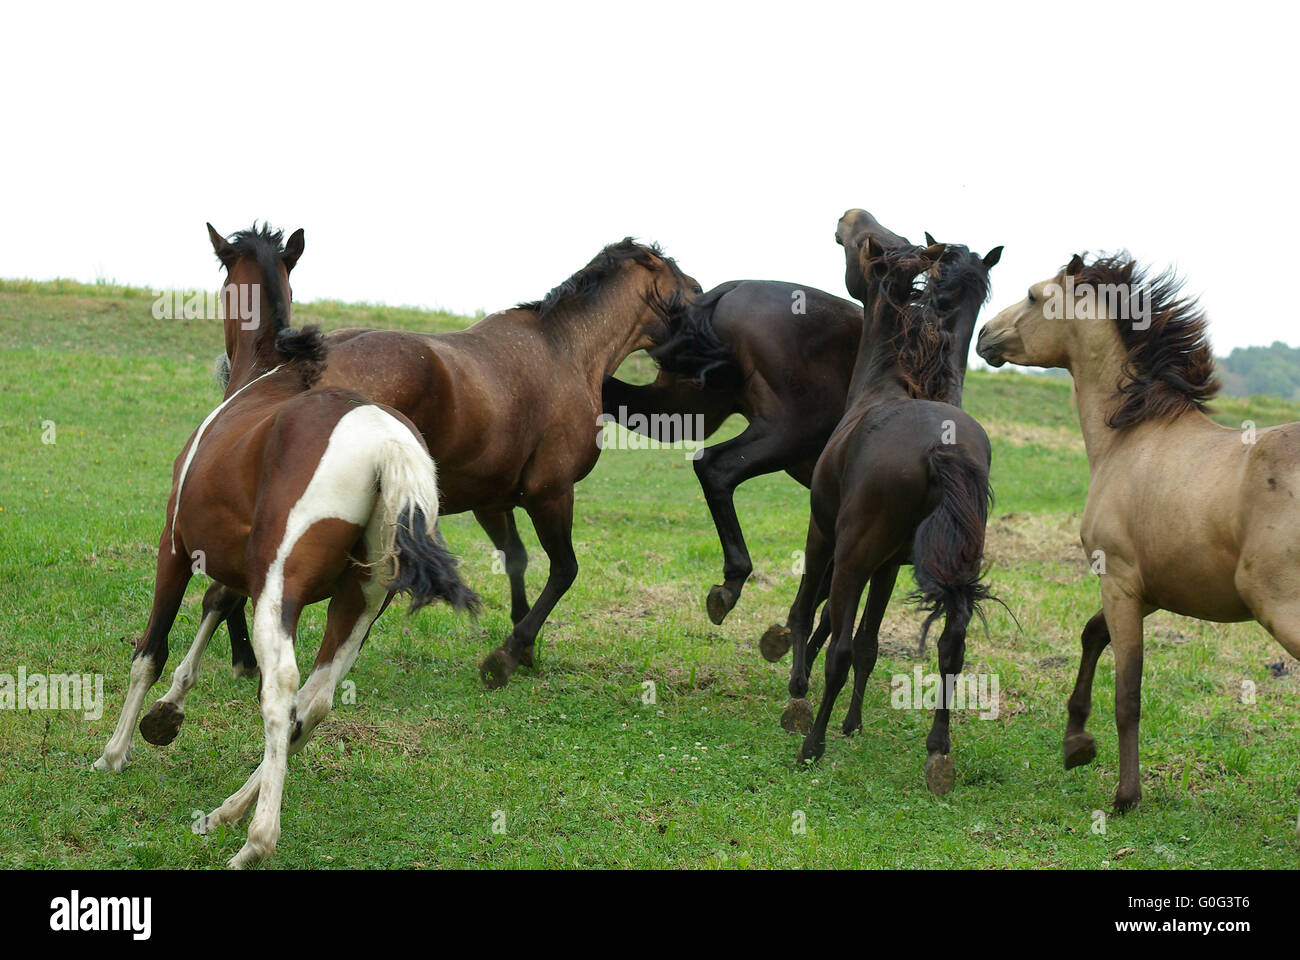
(352, 611)
(162, 723)
(866, 644)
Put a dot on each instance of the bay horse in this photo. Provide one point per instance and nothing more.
(1187, 515)
(510, 410)
(289, 493)
(904, 478)
(781, 355)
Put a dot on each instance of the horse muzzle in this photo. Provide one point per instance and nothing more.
(990, 349)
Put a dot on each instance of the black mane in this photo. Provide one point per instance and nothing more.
(594, 275)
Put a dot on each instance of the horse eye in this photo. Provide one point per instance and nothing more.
(1031, 296)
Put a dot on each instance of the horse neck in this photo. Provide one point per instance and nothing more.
(961, 339)
(251, 351)
(1097, 369)
(600, 334)
(875, 372)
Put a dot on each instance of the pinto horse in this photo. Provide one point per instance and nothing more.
(1189, 516)
(510, 409)
(288, 493)
(781, 355)
(904, 478)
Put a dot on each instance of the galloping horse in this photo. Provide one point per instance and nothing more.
(781, 355)
(1189, 516)
(288, 493)
(904, 478)
(510, 410)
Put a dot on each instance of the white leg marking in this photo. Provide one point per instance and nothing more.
(117, 753)
(187, 674)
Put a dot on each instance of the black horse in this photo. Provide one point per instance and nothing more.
(781, 355)
(903, 479)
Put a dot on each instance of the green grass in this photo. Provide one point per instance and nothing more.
(411, 773)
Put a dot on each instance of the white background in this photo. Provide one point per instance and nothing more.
(470, 156)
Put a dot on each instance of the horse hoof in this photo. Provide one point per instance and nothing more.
(526, 657)
(496, 669)
(797, 716)
(719, 603)
(810, 752)
(161, 724)
(1123, 804)
(940, 774)
(775, 643)
(852, 725)
(1080, 748)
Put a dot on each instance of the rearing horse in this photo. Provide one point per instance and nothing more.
(289, 495)
(1188, 515)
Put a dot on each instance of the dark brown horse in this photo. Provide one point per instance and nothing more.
(904, 478)
(781, 355)
(510, 410)
(289, 493)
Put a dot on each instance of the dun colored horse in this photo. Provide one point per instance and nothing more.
(510, 410)
(1187, 515)
(904, 478)
(288, 494)
(781, 355)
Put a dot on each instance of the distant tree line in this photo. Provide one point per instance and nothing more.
(1274, 370)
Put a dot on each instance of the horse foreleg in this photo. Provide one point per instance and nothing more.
(818, 570)
(163, 721)
(1124, 618)
(553, 520)
(501, 529)
(170, 579)
(1080, 747)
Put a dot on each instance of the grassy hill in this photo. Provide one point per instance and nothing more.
(413, 771)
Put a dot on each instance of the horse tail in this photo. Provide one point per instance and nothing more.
(408, 513)
(948, 547)
(692, 348)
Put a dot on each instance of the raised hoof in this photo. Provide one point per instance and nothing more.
(775, 643)
(940, 774)
(496, 669)
(797, 717)
(1080, 748)
(161, 724)
(719, 603)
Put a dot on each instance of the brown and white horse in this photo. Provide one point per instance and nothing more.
(288, 494)
(1188, 516)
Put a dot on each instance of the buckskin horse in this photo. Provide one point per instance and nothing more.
(289, 493)
(1188, 516)
(781, 355)
(904, 478)
(510, 410)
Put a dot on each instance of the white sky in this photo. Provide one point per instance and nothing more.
(473, 155)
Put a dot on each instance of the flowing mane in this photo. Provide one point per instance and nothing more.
(595, 274)
(1169, 367)
(919, 343)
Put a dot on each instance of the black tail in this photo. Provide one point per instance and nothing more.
(306, 348)
(948, 548)
(425, 568)
(692, 348)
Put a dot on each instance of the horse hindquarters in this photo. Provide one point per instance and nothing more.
(947, 551)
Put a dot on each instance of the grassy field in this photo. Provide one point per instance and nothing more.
(578, 770)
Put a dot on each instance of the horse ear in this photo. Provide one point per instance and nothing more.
(933, 252)
(930, 239)
(992, 257)
(1074, 266)
(224, 251)
(293, 249)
